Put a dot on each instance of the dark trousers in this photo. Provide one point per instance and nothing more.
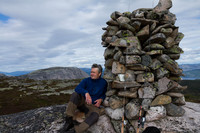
(77, 101)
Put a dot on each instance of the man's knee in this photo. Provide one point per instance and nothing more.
(75, 98)
(92, 118)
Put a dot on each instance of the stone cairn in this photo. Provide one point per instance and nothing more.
(140, 66)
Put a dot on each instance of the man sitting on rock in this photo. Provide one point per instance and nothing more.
(88, 96)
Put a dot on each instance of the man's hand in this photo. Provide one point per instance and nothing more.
(98, 102)
(88, 98)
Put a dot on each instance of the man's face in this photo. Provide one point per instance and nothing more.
(94, 74)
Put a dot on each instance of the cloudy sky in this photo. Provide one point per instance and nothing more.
(36, 34)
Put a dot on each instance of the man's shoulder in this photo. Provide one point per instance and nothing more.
(103, 80)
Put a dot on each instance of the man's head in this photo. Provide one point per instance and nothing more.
(96, 71)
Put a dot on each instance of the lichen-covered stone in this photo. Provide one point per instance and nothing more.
(127, 94)
(146, 77)
(133, 59)
(121, 85)
(161, 100)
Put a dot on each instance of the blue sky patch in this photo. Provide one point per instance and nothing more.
(4, 18)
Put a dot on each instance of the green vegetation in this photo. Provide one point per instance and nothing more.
(18, 95)
(192, 93)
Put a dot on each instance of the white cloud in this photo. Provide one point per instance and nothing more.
(48, 33)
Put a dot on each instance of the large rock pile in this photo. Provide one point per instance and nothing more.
(140, 66)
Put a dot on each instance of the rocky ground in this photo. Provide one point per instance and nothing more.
(51, 120)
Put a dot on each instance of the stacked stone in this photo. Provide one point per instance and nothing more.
(140, 66)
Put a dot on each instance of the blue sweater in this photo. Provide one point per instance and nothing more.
(95, 87)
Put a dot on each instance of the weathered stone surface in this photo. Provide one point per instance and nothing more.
(144, 21)
(154, 52)
(161, 100)
(129, 76)
(179, 38)
(157, 38)
(108, 53)
(143, 32)
(115, 114)
(106, 102)
(174, 50)
(116, 102)
(115, 15)
(146, 104)
(108, 63)
(118, 125)
(122, 60)
(103, 125)
(155, 64)
(118, 68)
(138, 67)
(161, 72)
(146, 60)
(163, 5)
(172, 66)
(112, 30)
(108, 39)
(173, 110)
(133, 42)
(111, 92)
(112, 22)
(188, 123)
(133, 51)
(169, 18)
(132, 109)
(108, 74)
(175, 94)
(163, 85)
(122, 20)
(134, 89)
(121, 85)
(136, 25)
(127, 27)
(133, 59)
(160, 27)
(166, 31)
(174, 56)
(128, 94)
(117, 56)
(146, 77)
(154, 46)
(155, 113)
(179, 101)
(124, 33)
(163, 58)
(147, 92)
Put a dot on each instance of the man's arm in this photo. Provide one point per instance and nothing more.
(80, 89)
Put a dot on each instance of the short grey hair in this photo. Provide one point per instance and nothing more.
(97, 66)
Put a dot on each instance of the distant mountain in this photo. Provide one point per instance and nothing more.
(87, 70)
(188, 67)
(192, 74)
(16, 73)
(56, 73)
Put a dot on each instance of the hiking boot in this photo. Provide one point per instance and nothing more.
(68, 124)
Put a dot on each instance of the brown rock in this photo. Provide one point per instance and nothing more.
(133, 51)
(124, 33)
(174, 94)
(154, 46)
(118, 68)
(128, 94)
(157, 38)
(122, 20)
(116, 102)
(129, 76)
(138, 67)
(163, 5)
(161, 100)
(166, 31)
(122, 85)
(115, 15)
(108, 63)
(112, 30)
(108, 53)
(143, 32)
